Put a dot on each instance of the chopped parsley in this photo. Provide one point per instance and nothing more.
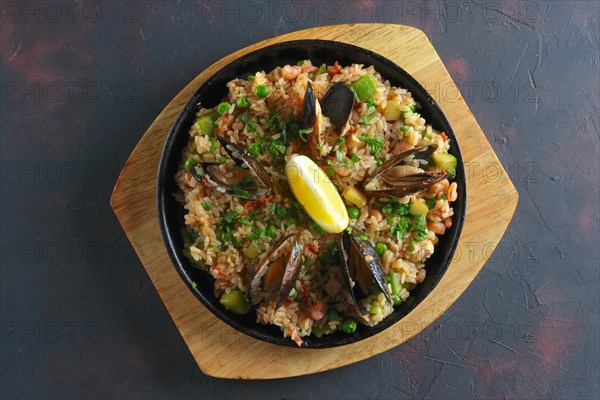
(370, 112)
(254, 150)
(431, 202)
(303, 133)
(444, 196)
(399, 227)
(419, 227)
(250, 124)
(375, 143)
(395, 209)
(277, 210)
(331, 170)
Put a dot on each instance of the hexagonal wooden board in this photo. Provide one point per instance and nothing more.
(221, 351)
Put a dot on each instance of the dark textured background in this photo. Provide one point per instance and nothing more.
(82, 81)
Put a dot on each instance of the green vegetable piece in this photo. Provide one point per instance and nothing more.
(189, 164)
(242, 102)
(333, 315)
(254, 150)
(206, 205)
(405, 128)
(290, 221)
(413, 108)
(397, 300)
(300, 63)
(206, 124)
(431, 202)
(376, 309)
(261, 91)
(250, 78)
(293, 294)
(353, 212)
(365, 87)
(235, 302)
(223, 107)
(271, 231)
(406, 114)
(395, 283)
(349, 326)
(322, 69)
(417, 208)
(446, 162)
(318, 331)
(380, 248)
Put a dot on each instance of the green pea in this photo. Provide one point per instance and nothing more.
(261, 91)
(380, 248)
(271, 231)
(353, 212)
(250, 78)
(223, 107)
(189, 164)
(242, 102)
(349, 326)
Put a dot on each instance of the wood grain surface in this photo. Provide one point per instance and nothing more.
(221, 351)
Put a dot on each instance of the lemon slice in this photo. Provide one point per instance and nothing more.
(317, 194)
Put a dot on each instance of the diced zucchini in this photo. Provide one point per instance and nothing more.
(322, 69)
(365, 87)
(446, 162)
(235, 302)
(354, 196)
(417, 208)
(206, 124)
(392, 110)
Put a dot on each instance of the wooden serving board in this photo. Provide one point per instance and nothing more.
(220, 350)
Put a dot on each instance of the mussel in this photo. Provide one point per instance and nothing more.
(271, 271)
(312, 118)
(360, 265)
(247, 178)
(395, 178)
(337, 105)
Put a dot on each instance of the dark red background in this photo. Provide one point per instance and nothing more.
(82, 81)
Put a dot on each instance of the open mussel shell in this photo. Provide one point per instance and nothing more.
(312, 118)
(360, 265)
(244, 160)
(394, 178)
(271, 268)
(337, 105)
(228, 179)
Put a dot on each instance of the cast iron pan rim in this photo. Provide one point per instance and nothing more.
(179, 261)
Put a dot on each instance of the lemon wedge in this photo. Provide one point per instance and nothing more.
(317, 194)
